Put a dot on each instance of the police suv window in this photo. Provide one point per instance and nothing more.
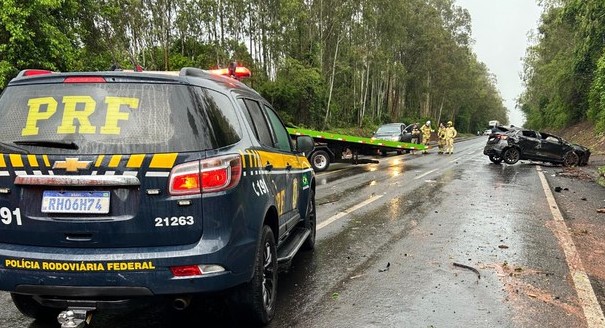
(281, 134)
(220, 117)
(242, 105)
(118, 117)
(259, 122)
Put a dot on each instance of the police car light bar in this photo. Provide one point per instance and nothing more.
(239, 72)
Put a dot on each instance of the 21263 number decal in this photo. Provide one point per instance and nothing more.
(174, 221)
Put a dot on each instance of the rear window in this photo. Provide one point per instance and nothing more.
(118, 117)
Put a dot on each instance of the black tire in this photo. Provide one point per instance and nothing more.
(256, 299)
(29, 307)
(511, 155)
(310, 223)
(495, 159)
(320, 160)
(571, 159)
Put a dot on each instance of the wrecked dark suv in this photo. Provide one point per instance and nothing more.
(515, 144)
(118, 187)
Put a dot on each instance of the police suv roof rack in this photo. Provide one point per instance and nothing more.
(192, 71)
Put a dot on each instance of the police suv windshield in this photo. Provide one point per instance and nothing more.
(119, 117)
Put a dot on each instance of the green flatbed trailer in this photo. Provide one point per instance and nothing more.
(341, 148)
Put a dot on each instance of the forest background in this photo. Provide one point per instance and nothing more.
(325, 64)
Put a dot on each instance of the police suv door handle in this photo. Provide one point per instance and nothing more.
(269, 166)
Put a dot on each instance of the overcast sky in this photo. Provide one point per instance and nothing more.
(500, 30)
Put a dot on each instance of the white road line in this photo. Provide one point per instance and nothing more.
(588, 300)
(425, 174)
(456, 159)
(338, 216)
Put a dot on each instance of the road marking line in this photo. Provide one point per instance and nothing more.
(338, 216)
(588, 300)
(425, 173)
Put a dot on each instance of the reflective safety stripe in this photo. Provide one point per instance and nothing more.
(16, 160)
(99, 160)
(135, 161)
(33, 162)
(163, 161)
(115, 161)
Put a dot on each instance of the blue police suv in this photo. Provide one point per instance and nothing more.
(118, 187)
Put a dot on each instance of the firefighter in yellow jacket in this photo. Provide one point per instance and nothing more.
(450, 134)
(441, 136)
(426, 135)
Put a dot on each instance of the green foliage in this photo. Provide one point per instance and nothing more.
(596, 111)
(297, 93)
(322, 64)
(37, 34)
(564, 69)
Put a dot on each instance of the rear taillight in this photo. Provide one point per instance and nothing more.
(205, 176)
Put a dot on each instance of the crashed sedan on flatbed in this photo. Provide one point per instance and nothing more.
(520, 144)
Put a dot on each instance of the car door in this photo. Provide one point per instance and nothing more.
(276, 159)
(552, 148)
(530, 144)
(293, 168)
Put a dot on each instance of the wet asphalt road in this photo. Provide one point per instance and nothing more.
(417, 241)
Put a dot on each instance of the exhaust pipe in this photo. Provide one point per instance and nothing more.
(181, 303)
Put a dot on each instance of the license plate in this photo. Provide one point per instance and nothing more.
(95, 202)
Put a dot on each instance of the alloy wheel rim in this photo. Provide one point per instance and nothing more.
(268, 276)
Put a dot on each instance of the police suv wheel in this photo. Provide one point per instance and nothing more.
(320, 160)
(310, 223)
(571, 159)
(511, 155)
(29, 307)
(257, 298)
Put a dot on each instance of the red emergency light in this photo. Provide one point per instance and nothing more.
(239, 72)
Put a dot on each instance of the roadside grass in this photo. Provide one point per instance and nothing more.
(601, 178)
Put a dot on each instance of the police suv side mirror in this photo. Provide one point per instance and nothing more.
(304, 144)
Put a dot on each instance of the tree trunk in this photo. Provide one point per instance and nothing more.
(332, 82)
(427, 101)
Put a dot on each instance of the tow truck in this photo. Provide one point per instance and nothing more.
(341, 148)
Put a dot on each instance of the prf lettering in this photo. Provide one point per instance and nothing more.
(77, 108)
